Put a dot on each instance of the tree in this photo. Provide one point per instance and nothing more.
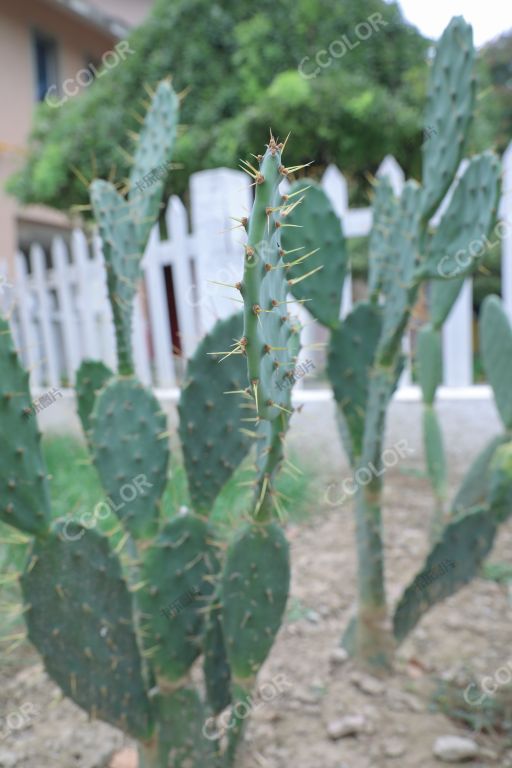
(242, 71)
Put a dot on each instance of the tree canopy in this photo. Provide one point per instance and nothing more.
(239, 64)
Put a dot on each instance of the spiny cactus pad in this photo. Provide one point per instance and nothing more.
(500, 484)
(385, 209)
(475, 484)
(429, 361)
(182, 741)
(398, 281)
(80, 618)
(211, 421)
(434, 449)
(449, 109)
(255, 583)
(315, 226)
(351, 354)
(90, 378)
(496, 340)
(465, 542)
(217, 673)
(122, 261)
(24, 494)
(130, 450)
(152, 158)
(267, 324)
(443, 295)
(178, 572)
(458, 243)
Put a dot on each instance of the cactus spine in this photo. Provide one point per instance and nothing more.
(404, 253)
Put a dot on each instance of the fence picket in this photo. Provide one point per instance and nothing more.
(46, 320)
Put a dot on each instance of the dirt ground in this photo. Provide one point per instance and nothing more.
(396, 724)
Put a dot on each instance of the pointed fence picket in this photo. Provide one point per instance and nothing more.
(60, 313)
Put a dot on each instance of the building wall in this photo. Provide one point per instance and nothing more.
(132, 12)
(77, 42)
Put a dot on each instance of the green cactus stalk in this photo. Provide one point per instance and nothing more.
(365, 357)
(120, 619)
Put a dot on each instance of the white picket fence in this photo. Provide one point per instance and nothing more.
(60, 313)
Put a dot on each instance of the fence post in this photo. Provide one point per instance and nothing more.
(28, 342)
(45, 312)
(158, 313)
(177, 229)
(84, 303)
(506, 216)
(458, 340)
(216, 196)
(67, 316)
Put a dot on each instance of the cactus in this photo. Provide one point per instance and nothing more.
(120, 619)
(484, 499)
(404, 253)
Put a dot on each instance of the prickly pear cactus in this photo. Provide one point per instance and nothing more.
(25, 500)
(91, 377)
(125, 224)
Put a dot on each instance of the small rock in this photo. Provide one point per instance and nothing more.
(7, 759)
(369, 685)
(313, 617)
(394, 748)
(455, 749)
(338, 656)
(350, 725)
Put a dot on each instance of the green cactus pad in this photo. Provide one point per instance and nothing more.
(181, 731)
(434, 449)
(429, 361)
(449, 109)
(496, 344)
(443, 295)
(264, 289)
(314, 225)
(211, 420)
(475, 484)
(458, 244)
(217, 673)
(152, 158)
(500, 485)
(122, 262)
(130, 450)
(24, 494)
(80, 618)
(465, 542)
(178, 571)
(90, 378)
(351, 355)
(255, 583)
(385, 209)
(398, 281)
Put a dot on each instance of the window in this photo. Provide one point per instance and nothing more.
(45, 56)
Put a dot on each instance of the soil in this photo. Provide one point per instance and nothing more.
(398, 725)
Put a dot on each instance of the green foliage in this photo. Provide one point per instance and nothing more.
(241, 66)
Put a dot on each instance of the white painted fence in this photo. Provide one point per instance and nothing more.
(60, 315)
